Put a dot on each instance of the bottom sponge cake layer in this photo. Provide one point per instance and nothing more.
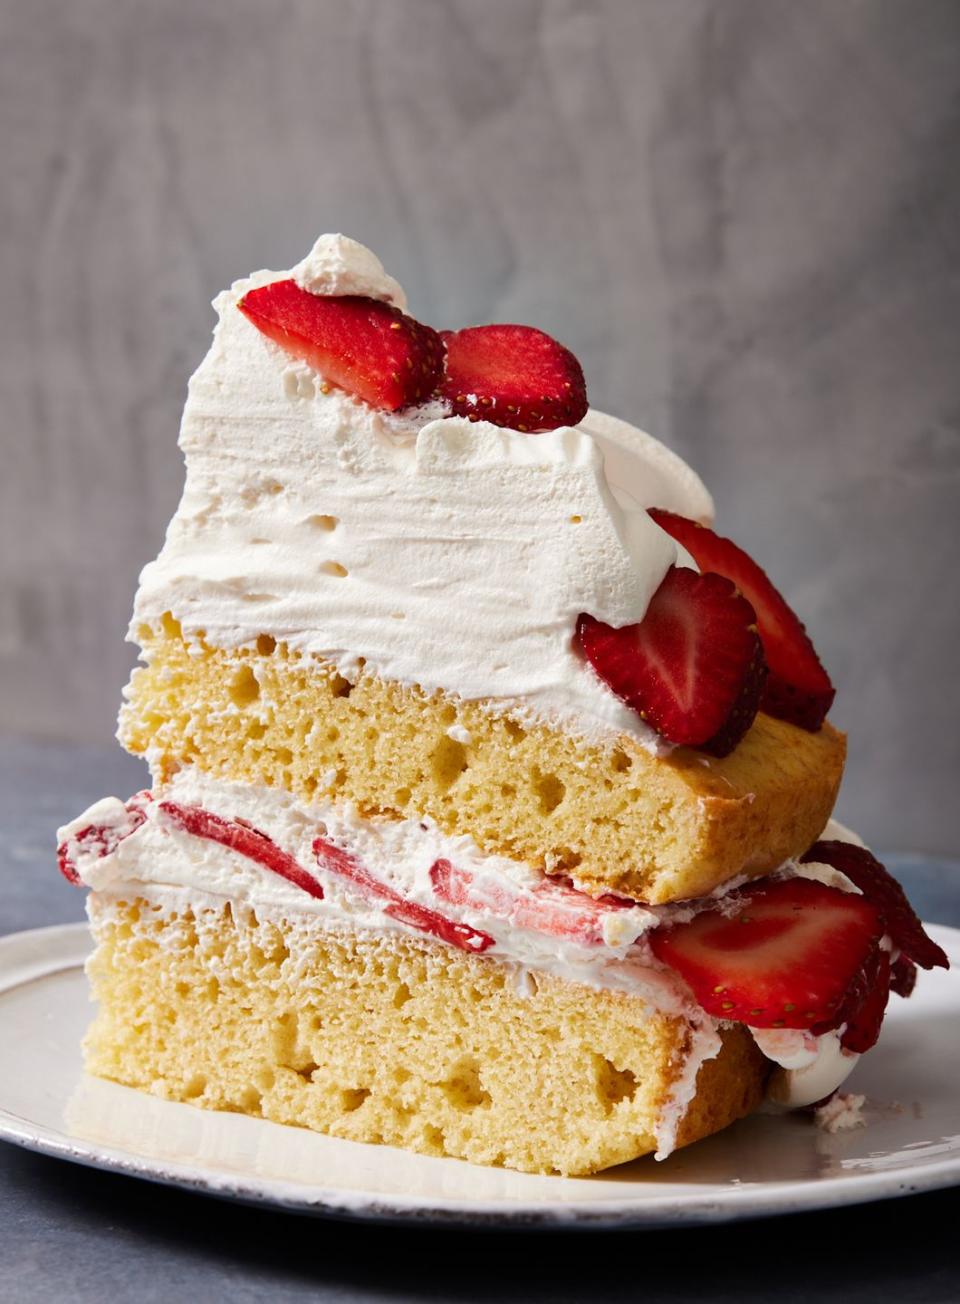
(383, 1038)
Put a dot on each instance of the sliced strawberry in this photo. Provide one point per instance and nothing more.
(866, 1003)
(903, 976)
(785, 959)
(693, 668)
(879, 886)
(450, 883)
(99, 840)
(337, 861)
(605, 898)
(242, 838)
(513, 376)
(367, 347)
(67, 865)
(798, 688)
(547, 907)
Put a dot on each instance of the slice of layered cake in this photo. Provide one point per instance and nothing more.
(490, 785)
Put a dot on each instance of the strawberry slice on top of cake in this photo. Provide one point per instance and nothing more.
(491, 788)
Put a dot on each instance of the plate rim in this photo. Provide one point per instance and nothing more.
(32, 954)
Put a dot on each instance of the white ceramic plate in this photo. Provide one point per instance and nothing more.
(764, 1165)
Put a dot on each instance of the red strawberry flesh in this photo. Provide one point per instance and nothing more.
(779, 956)
(67, 866)
(798, 688)
(693, 668)
(368, 348)
(879, 886)
(100, 840)
(547, 907)
(242, 838)
(337, 861)
(513, 376)
(866, 1002)
(903, 976)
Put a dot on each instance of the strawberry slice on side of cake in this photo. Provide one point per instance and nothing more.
(491, 789)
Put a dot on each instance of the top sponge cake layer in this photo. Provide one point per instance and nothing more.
(616, 817)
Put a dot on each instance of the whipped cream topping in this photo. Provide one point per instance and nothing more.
(445, 553)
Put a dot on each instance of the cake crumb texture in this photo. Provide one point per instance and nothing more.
(381, 1038)
(613, 815)
(843, 1111)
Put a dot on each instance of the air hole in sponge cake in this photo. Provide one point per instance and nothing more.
(351, 1100)
(448, 760)
(566, 860)
(433, 1139)
(249, 1100)
(463, 1087)
(549, 789)
(613, 1084)
(170, 625)
(243, 688)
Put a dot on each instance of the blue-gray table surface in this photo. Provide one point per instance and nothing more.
(73, 1233)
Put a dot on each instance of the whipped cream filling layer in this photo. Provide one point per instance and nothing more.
(496, 905)
(536, 922)
(328, 860)
(141, 848)
(450, 554)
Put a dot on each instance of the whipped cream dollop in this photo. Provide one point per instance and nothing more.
(337, 265)
(450, 554)
(811, 1068)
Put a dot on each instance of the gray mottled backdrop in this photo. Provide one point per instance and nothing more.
(741, 214)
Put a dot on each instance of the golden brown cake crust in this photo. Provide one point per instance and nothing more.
(618, 818)
(388, 1039)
